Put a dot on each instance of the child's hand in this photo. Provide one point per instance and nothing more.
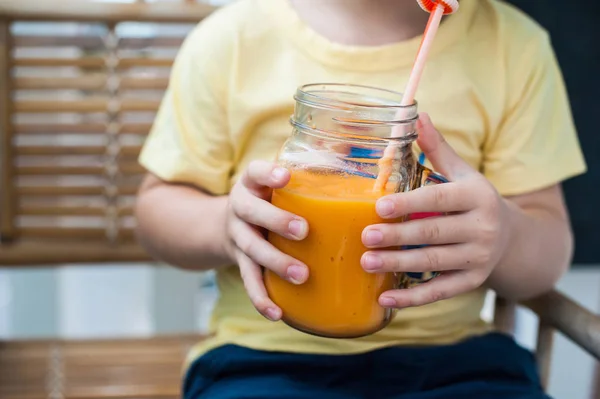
(249, 214)
(464, 246)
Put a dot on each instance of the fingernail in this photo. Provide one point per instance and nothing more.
(387, 301)
(372, 262)
(272, 314)
(298, 228)
(297, 274)
(373, 237)
(385, 207)
(279, 173)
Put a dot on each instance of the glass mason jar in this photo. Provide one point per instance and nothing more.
(340, 133)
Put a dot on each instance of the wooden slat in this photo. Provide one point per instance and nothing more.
(59, 170)
(7, 197)
(544, 352)
(58, 41)
(126, 211)
(92, 128)
(144, 83)
(136, 128)
(129, 151)
(84, 106)
(77, 233)
(77, 106)
(55, 83)
(571, 319)
(55, 191)
(38, 347)
(30, 210)
(131, 105)
(128, 190)
(125, 63)
(134, 362)
(63, 232)
(139, 43)
(504, 315)
(49, 252)
(60, 150)
(125, 392)
(75, 10)
(596, 383)
(131, 168)
(127, 168)
(123, 380)
(88, 62)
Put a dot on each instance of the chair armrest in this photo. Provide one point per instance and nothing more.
(571, 319)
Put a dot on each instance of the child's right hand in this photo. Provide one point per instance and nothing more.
(249, 216)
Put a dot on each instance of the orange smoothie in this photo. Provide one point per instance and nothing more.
(340, 298)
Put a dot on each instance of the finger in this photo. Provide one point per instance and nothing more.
(253, 283)
(451, 229)
(443, 158)
(443, 287)
(261, 213)
(427, 259)
(443, 198)
(261, 174)
(262, 252)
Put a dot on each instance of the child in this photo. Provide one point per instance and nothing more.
(494, 91)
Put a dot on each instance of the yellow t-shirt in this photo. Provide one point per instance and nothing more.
(492, 87)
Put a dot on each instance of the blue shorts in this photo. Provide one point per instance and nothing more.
(490, 366)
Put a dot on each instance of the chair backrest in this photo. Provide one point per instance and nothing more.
(78, 92)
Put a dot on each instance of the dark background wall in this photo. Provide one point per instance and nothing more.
(574, 26)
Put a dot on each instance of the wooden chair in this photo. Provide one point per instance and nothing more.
(122, 368)
(74, 110)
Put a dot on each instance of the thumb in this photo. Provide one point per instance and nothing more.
(443, 158)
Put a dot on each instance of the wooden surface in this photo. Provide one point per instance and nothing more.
(504, 315)
(571, 319)
(7, 199)
(74, 117)
(596, 382)
(82, 10)
(543, 351)
(49, 252)
(90, 369)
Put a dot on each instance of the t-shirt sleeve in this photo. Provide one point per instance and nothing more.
(190, 142)
(535, 145)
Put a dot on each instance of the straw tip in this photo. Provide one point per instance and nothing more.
(450, 6)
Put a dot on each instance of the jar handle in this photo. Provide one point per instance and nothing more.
(428, 177)
(424, 177)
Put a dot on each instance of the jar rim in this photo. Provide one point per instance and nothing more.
(362, 110)
(326, 95)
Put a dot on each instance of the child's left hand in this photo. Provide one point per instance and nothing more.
(465, 245)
